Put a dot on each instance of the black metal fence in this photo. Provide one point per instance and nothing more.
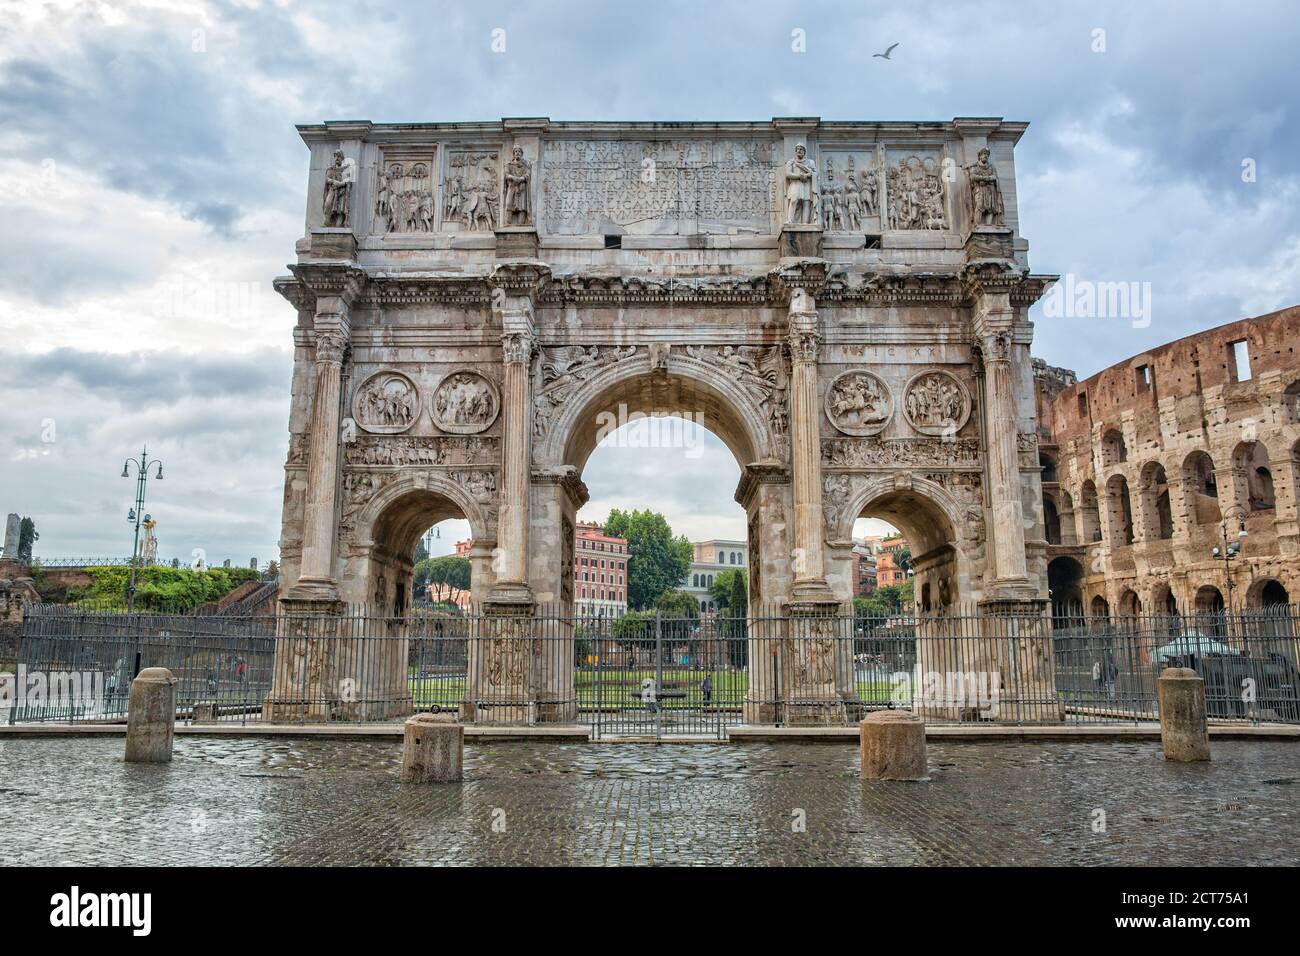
(649, 675)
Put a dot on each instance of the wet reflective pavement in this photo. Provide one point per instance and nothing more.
(231, 801)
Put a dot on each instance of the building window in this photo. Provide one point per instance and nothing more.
(1083, 404)
(1146, 378)
(1240, 355)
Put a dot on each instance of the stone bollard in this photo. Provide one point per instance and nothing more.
(151, 716)
(433, 749)
(1183, 729)
(893, 746)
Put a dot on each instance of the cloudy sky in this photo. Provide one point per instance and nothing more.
(154, 185)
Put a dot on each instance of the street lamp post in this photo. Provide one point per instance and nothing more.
(1227, 553)
(136, 515)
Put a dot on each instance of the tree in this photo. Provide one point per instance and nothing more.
(27, 536)
(657, 561)
(421, 552)
(443, 574)
(738, 601)
(903, 558)
(885, 601)
(677, 604)
(728, 591)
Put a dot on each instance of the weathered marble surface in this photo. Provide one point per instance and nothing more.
(819, 295)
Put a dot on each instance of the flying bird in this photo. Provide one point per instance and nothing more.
(885, 55)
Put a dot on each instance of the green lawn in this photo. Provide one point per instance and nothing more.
(621, 689)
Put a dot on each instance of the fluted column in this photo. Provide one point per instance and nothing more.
(317, 572)
(1000, 427)
(515, 287)
(517, 404)
(804, 343)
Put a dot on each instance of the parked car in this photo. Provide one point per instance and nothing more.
(1193, 645)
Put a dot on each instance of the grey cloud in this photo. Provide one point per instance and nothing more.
(1183, 91)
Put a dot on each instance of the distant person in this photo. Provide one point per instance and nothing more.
(706, 688)
(1112, 675)
(1096, 676)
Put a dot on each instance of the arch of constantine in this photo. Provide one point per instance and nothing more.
(843, 303)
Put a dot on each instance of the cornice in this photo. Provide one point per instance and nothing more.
(593, 290)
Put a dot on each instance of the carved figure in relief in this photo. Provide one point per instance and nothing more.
(472, 191)
(383, 200)
(659, 356)
(404, 198)
(464, 399)
(387, 402)
(858, 400)
(870, 194)
(830, 193)
(338, 192)
(813, 661)
(799, 177)
(852, 201)
(517, 176)
(426, 212)
(985, 192)
(916, 195)
(562, 369)
(936, 402)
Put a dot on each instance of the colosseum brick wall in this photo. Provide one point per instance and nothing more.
(1151, 464)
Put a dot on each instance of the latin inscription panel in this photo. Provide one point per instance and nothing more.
(659, 187)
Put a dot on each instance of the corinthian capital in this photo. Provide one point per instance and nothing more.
(517, 347)
(804, 345)
(330, 346)
(996, 347)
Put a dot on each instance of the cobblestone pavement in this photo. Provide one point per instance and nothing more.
(233, 801)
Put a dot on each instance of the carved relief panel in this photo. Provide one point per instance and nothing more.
(404, 192)
(386, 403)
(850, 190)
(859, 403)
(916, 190)
(560, 369)
(471, 191)
(653, 187)
(936, 403)
(566, 560)
(465, 403)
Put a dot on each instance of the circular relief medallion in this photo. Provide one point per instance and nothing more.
(859, 403)
(936, 403)
(465, 403)
(386, 403)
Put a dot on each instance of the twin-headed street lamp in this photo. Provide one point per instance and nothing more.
(136, 515)
(1227, 553)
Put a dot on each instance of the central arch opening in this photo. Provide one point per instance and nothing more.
(660, 567)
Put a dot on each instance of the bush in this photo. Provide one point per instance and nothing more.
(176, 590)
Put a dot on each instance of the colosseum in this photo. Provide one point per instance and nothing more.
(1170, 479)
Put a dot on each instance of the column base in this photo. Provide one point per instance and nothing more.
(307, 593)
(510, 597)
(809, 596)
